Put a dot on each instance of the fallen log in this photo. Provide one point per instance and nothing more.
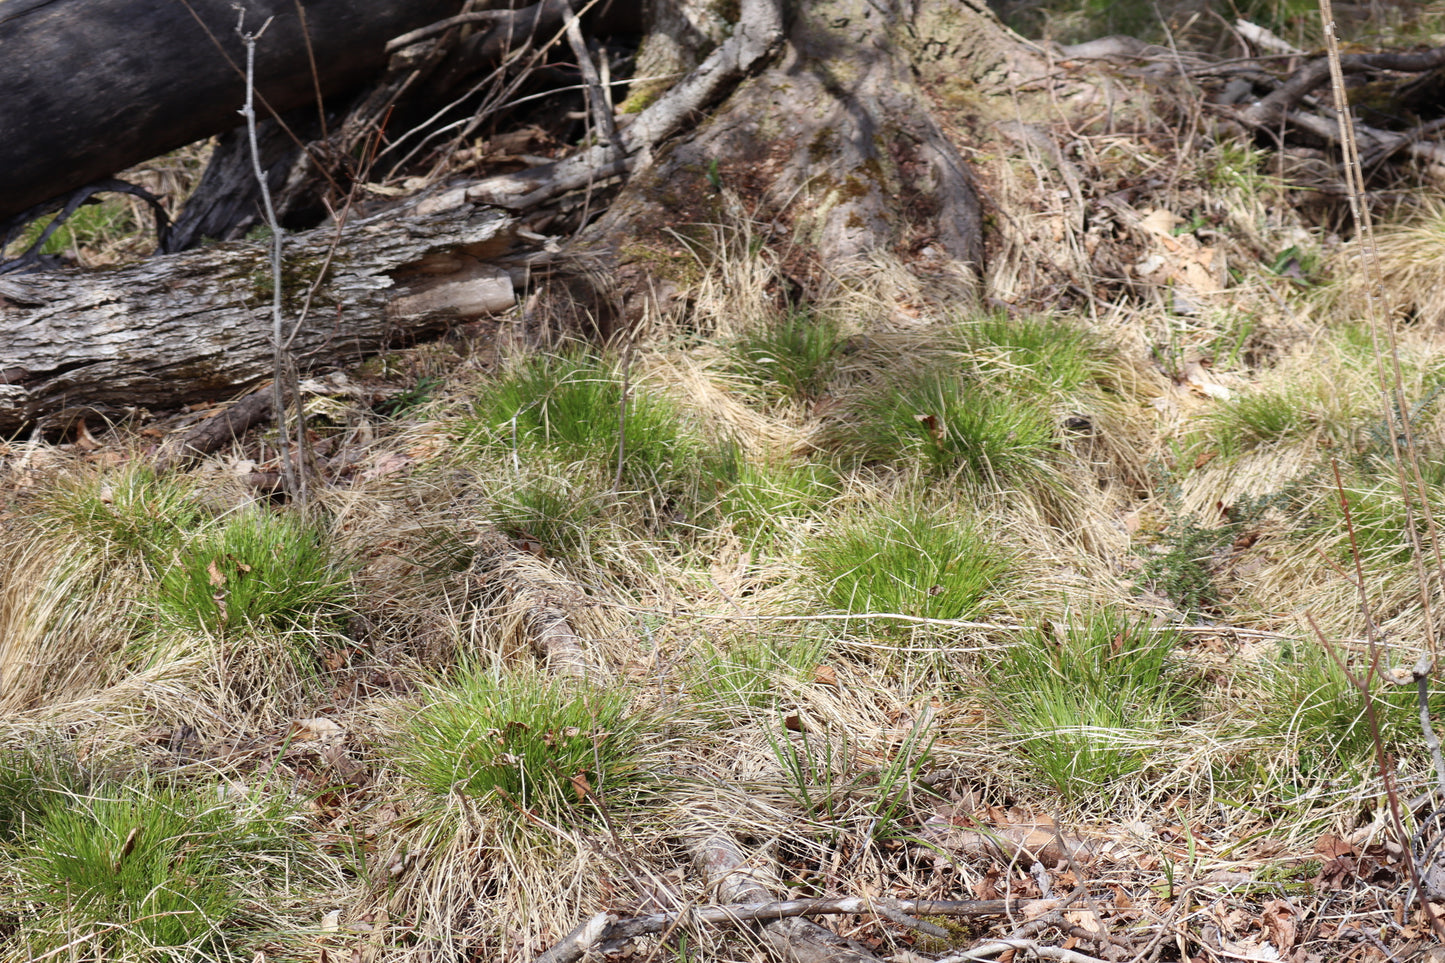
(196, 326)
(95, 86)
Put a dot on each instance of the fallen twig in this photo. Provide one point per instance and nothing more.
(442, 26)
(1267, 110)
(606, 927)
(758, 34)
(996, 947)
(216, 431)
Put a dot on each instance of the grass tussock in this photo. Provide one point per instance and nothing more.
(570, 408)
(518, 745)
(1088, 701)
(914, 562)
(254, 571)
(140, 869)
(132, 516)
(953, 427)
(1316, 710)
(1410, 257)
(793, 356)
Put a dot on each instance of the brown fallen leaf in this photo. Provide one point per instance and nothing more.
(1281, 924)
(388, 463)
(318, 727)
(1333, 846)
(531, 546)
(1039, 908)
(84, 440)
(1086, 920)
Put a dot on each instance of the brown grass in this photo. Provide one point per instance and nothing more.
(661, 609)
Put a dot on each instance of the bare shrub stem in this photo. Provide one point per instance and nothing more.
(1392, 390)
(281, 373)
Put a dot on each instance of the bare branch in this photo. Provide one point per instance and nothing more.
(606, 927)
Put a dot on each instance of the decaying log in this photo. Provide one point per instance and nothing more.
(195, 327)
(227, 201)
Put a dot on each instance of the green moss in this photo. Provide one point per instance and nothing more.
(298, 276)
(961, 932)
(680, 267)
(642, 97)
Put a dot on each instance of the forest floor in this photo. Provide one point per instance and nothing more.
(1109, 609)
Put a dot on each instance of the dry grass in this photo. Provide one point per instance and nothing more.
(851, 749)
(1411, 258)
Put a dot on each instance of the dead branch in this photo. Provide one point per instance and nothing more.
(216, 432)
(726, 870)
(757, 35)
(512, 576)
(555, 639)
(1268, 110)
(998, 947)
(599, 105)
(442, 26)
(605, 927)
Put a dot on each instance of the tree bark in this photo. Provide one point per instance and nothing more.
(834, 138)
(196, 326)
(95, 86)
(836, 143)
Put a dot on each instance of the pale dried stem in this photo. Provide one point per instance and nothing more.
(1397, 414)
(283, 371)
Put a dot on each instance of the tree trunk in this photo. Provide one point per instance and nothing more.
(839, 144)
(197, 326)
(95, 86)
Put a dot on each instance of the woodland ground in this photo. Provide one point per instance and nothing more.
(914, 598)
